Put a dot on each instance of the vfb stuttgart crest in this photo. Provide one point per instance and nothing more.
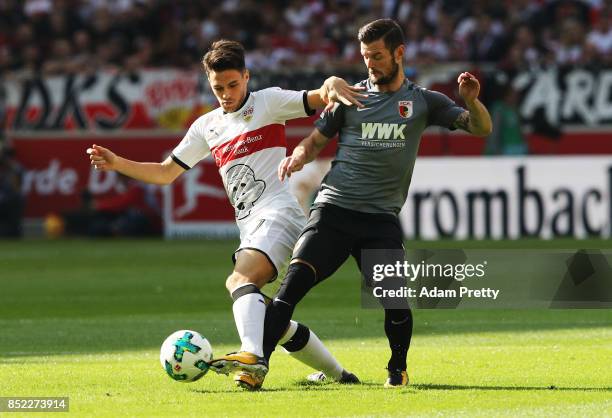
(248, 114)
(405, 108)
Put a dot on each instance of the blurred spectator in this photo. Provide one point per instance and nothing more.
(485, 42)
(144, 55)
(524, 53)
(267, 57)
(507, 137)
(83, 52)
(570, 42)
(428, 46)
(299, 13)
(318, 49)
(78, 222)
(37, 7)
(61, 59)
(450, 48)
(134, 212)
(38, 34)
(522, 12)
(5, 60)
(414, 42)
(11, 199)
(600, 37)
(23, 41)
(525, 40)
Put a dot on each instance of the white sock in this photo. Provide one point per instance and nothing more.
(314, 354)
(249, 314)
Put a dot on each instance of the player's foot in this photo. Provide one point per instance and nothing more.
(239, 362)
(248, 380)
(396, 379)
(346, 378)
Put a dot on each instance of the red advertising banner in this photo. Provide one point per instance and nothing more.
(52, 121)
(58, 171)
(197, 205)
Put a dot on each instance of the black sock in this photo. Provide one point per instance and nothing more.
(300, 278)
(398, 327)
(278, 316)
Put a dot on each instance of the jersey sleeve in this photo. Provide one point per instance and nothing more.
(331, 121)
(192, 148)
(442, 111)
(287, 104)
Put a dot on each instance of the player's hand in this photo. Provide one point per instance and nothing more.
(469, 87)
(289, 165)
(337, 90)
(102, 158)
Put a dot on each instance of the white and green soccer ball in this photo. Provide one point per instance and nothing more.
(185, 355)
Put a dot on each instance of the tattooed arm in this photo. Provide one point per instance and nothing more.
(476, 120)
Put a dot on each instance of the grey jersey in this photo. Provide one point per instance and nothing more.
(378, 145)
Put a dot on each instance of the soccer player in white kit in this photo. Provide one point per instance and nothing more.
(246, 137)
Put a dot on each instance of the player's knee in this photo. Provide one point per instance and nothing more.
(300, 263)
(300, 278)
(399, 316)
(230, 283)
(236, 280)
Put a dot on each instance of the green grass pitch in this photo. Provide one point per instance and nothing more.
(85, 319)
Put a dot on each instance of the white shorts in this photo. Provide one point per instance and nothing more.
(274, 232)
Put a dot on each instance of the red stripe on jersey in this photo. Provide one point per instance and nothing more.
(268, 136)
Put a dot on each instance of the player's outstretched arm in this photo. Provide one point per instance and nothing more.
(476, 120)
(335, 90)
(305, 152)
(157, 173)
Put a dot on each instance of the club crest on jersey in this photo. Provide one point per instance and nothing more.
(247, 115)
(404, 108)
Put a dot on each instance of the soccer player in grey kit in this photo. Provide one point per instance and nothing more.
(358, 204)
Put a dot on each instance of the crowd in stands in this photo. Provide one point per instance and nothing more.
(63, 36)
(53, 37)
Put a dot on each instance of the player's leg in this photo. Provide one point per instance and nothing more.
(299, 341)
(251, 272)
(398, 328)
(275, 240)
(398, 316)
(263, 250)
(305, 346)
(253, 269)
(320, 250)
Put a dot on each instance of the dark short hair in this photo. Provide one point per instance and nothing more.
(386, 29)
(224, 55)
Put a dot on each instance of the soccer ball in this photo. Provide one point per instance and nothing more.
(185, 355)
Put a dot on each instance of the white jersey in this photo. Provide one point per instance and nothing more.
(247, 146)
